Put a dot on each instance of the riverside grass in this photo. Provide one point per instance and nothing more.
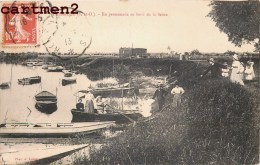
(216, 124)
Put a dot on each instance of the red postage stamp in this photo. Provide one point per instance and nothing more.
(20, 24)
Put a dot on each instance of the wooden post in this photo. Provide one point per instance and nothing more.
(122, 99)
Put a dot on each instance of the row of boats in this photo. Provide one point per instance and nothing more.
(82, 122)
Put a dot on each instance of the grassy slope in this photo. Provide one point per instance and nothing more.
(217, 123)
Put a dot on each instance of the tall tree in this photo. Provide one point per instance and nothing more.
(239, 20)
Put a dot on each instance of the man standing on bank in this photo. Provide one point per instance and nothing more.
(214, 68)
(160, 94)
(177, 92)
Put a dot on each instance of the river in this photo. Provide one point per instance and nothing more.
(15, 101)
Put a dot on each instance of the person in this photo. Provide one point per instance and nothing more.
(80, 105)
(237, 68)
(160, 94)
(249, 71)
(89, 106)
(177, 92)
(225, 70)
(215, 69)
(98, 105)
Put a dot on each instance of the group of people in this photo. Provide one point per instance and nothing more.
(239, 70)
(92, 105)
(160, 95)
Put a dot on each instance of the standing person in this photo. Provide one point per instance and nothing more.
(177, 92)
(214, 68)
(249, 71)
(235, 76)
(80, 105)
(89, 106)
(98, 105)
(160, 94)
(225, 70)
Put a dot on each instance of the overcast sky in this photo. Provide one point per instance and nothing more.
(185, 28)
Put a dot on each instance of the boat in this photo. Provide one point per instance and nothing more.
(55, 68)
(51, 129)
(5, 85)
(42, 154)
(45, 66)
(66, 71)
(30, 80)
(114, 91)
(69, 78)
(46, 102)
(119, 117)
(31, 63)
(39, 63)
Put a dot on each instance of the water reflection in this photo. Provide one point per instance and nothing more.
(16, 101)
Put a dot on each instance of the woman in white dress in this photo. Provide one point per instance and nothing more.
(249, 72)
(237, 70)
(89, 106)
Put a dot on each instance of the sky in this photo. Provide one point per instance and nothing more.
(184, 28)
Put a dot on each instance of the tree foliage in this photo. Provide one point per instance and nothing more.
(195, 52)
(239, 20)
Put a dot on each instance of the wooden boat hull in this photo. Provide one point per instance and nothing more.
(51, 129)
(112, 92)
(68, 81)
(30, 80)
(4, 86)
(78, 116)
(46, 108)
(55, 69)
(45, 67)
(44, 154)
(46, 102)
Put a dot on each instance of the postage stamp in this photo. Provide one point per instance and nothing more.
(19, 24)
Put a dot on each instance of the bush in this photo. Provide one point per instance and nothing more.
(216, 124)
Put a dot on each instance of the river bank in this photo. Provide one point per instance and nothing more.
(185, 134)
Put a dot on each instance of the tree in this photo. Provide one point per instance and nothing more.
(239, 20)
(195, 52)
(230, 52)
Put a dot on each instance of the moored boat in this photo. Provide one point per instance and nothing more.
(5, 85)
(122, 91)
(31, 63)
(69, 78)
(46, 102)
(51, 129)
(119, 117)
(55, 68)
(30, 80)
(42, 154)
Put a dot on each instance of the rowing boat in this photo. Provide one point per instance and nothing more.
(55, 68)
(46, 102)
(30, 80)
(5, 85)
(119, 117)
(69, 78)
(120, 91)
(51, 129)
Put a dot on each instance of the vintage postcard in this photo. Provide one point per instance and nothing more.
(129, 82)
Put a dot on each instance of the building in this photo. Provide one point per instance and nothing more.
(132, 52)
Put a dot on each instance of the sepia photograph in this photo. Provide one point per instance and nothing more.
(118, 82)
